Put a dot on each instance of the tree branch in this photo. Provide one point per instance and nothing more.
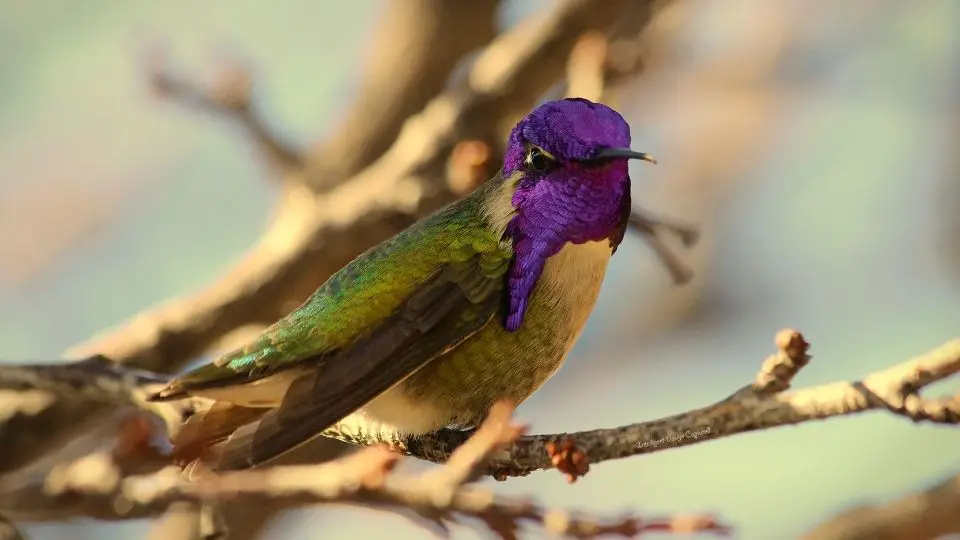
(415, 48)
(931, 514)
(65, 396)
(764, 404)
(134, 480)
(100, 485)
(231, 96)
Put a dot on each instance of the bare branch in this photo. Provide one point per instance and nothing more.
(230, 95)
(134, 480)
(181, 520)
(931, 514)
(415, 48)
(586, 67)
(68, 395)
(100, 486)
(763, 404)
(651, 229)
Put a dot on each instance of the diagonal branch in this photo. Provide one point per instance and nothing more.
(415, 48)
(230, 96)
(764, 404)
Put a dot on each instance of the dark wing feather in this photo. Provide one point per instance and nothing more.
(459, 300)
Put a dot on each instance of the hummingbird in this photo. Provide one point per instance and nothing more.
(478, 302)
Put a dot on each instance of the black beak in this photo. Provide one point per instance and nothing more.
(622, 153)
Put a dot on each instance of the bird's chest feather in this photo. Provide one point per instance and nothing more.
(496, 363)
(567, 290)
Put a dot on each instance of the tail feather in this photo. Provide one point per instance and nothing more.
(258, 442)
(200, 433)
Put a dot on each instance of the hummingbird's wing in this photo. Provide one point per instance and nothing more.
(372, 324)
(453, 249)
(458, 301)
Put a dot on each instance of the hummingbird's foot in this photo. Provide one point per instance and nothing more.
(569, 459)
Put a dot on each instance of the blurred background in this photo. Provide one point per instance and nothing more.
(815, 144)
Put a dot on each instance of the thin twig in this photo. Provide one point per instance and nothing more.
(230, 95)
(760, 405)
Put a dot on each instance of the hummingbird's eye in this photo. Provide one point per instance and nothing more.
(538, 160)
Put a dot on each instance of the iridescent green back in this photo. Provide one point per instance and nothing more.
(367, 290)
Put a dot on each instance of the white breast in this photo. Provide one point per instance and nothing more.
(571, 281)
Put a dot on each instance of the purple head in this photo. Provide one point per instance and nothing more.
(569, 160)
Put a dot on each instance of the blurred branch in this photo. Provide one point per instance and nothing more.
(66, 395)
(101, 486)
(600, 62)
(181, 521)
(651, 229)
(931, 514)
(231, 96)
(415, 48)
(764, 404)
(586, 67)
(42, 495)
(9, 531)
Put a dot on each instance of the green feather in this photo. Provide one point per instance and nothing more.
(366, 291)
